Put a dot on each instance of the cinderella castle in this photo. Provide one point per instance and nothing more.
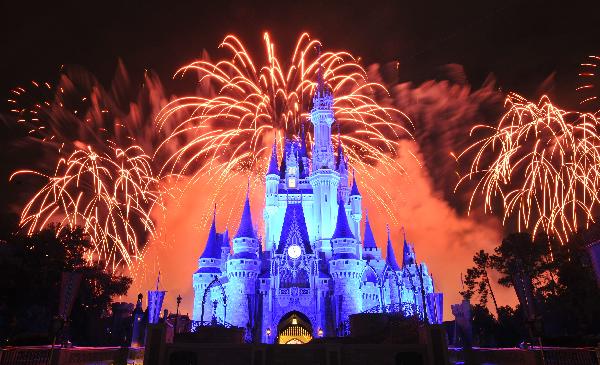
(314, 266)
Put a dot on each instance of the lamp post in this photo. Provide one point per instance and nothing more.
(177, 312)
(268, 335)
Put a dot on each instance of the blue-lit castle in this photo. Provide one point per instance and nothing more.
(313, 267)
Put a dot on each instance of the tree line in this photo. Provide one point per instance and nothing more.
(555, 285)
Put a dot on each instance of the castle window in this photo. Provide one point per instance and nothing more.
(242, 261)
(346, 262)
(292, 182)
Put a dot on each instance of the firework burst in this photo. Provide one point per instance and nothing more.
(102, 178)
(543, 169)
(108, 195)
(589, 76)
(230, 133)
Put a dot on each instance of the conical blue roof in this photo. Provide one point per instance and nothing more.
(408, 254)
(246, 229)
(273, 169)
(391, 256)
(225, 242)
(369, 240)
(354, 191)
(212, 249)
(342, 229)
(340, 161)
(303, 151)
(294, 228)
(283, 164)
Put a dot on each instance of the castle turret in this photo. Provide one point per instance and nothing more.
(322, 118)
(370, 249)
(392, 273)
(343, 240)
(341, 166)
(408, 254)
(355, 201)
(209, 267)
(292, 171)
(270, 211)
(303, 160)
(390, 259)
(225, 249)
(245, 240)
(323, 179)
(346, 268)
(243, 268)
(138, 328)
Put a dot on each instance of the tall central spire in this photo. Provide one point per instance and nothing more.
(322, 118)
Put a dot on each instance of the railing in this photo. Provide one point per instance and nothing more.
(40, 355)
(294, 291)
(580, 356)
(213, 323)
(25, 355)
(407, 309)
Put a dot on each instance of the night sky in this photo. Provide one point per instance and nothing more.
(529, 47)
(521, 42)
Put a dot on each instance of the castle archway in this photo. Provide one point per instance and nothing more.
(294, 328)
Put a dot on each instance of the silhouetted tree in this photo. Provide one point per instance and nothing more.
(477, 280)
(31, 268)
(563, 293)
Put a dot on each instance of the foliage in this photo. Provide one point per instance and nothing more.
(31, 268)
(565, 293)
(477, 280)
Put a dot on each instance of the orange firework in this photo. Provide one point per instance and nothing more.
(108, 195)
(230, 133)
(589, 76)
(543, 169)
(103, 180)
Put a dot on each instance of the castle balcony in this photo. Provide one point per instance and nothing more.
(294, 296)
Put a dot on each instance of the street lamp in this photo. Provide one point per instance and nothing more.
(177, 313)
(320, 332)
(268, 335)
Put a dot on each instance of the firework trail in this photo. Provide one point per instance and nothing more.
(112, 165)
(103, 179)
(543, 169)
(253, 104)
(108, 195)
(589, 76)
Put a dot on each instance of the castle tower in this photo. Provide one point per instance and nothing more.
(408, 254)
(322, 118)
(392, 272)
(292, 172)
(209, 267)
(355, 201)
(138, 330)
(225, 249)
(370, 249)
(243, 268)
(303, 161)
(341, 166)
(323, 179)
(271, 196)
(346, 268)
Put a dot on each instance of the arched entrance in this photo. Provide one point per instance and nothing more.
(294, 329)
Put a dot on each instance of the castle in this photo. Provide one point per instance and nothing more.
(316, 267)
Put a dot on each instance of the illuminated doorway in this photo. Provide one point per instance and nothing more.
(294, 329)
